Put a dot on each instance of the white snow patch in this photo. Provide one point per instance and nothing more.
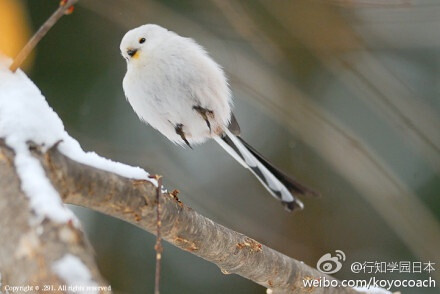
(72, 149)
(25, 116)
(76, 275)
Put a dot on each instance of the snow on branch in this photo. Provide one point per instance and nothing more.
(33, 249)
(37, 232)
(26, 117)
(40, 164)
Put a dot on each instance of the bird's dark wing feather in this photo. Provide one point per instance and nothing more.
(233, 126)
(290, 183)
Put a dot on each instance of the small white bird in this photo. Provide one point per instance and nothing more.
(173, 85)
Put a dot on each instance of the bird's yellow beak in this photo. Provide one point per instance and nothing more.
(133, 53)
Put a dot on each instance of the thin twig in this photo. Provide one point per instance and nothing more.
(64, 8)
(158, 246)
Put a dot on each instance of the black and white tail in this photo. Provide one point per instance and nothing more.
(279, 185)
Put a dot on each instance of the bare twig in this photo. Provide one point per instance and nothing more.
(65, 7)
(158, 246)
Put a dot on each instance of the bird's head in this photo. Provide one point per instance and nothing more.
(140, 40)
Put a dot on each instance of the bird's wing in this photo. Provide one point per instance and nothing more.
(234, 126)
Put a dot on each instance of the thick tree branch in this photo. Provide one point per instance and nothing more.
(134, 201)
(31, 251)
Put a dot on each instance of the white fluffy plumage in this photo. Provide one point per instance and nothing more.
(169, 75)
(173, 85)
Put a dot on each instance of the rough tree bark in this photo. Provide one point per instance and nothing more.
(134, 201)
(29, 251)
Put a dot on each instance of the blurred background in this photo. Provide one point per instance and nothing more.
(343, 95)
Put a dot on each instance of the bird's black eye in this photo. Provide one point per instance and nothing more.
(141, 40)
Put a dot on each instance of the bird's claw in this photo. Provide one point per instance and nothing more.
(181, 133)
(205, 113)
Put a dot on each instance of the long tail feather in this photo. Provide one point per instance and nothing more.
(277, 183)
(292, 184)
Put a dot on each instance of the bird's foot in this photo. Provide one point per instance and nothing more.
(181, 133)
(205, 113)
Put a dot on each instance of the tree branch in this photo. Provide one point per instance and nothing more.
(134, 201)
(64, 8)
(158, 245)
(31, 252)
